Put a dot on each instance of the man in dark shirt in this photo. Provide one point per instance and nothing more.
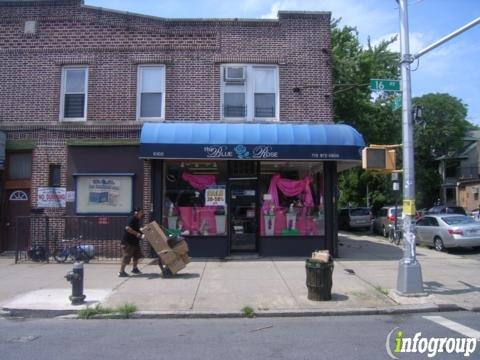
(131, 243)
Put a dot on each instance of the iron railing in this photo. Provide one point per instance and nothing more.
(39, 236)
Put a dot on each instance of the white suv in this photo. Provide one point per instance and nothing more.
(385, 219)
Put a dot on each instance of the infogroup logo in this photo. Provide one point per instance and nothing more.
(431, 346)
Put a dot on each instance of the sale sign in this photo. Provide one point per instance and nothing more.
(51, 197)
(215, 197)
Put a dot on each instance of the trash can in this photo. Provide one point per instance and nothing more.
(319, 279)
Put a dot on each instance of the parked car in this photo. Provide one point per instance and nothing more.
(475, 214)
(385, 219)
(444, 209)
(447, 231)
(355, 218)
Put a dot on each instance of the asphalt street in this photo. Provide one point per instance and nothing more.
(468, 253)
(341, 337)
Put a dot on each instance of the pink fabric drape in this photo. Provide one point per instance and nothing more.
(306, 225)
(193, 217)
(199, 182)
(290, 188)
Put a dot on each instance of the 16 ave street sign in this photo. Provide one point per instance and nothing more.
(384, 85)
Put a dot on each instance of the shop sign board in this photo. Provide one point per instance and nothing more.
(215, 197)
(51, 197)
(250, 152)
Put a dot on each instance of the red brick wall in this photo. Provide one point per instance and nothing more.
(113, 44)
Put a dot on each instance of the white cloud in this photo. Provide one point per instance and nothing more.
(417, 40)
(369, 18)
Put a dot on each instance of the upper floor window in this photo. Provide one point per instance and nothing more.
(250, 92)
(19, 166)
(74, 91)
(151, 92)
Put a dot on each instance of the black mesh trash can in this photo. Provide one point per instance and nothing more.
(319, 279)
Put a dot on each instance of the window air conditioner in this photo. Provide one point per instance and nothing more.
(234, 74)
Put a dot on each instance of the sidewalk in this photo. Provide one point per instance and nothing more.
(362, 278)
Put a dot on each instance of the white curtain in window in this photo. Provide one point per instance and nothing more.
(152, 79)
(75, 80)
(264, 80)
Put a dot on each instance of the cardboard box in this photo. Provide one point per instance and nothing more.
(185, 258)
(176, 266)
(175, 259)
(167, 256)
(181, 248)
(155, 236)
(322, 256)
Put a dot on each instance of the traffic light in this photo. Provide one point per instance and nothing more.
(379, 157)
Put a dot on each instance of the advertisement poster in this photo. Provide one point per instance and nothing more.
(215, 197)
(51, 197)
(104, 194)
(104, 191)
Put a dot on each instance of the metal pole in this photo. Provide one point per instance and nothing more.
(409, 281)
(447, 37)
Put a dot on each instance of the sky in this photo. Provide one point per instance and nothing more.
(452, 68)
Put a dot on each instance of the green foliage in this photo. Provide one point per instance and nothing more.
(353, 67)
(127, 309)
(353, 189)
(248, 311)
(89, 312)
(440, 135)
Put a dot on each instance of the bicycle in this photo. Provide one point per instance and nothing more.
(395, 235)
(76, 252)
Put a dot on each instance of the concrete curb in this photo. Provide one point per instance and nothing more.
(192, 314)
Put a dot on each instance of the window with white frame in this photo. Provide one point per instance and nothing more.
(151, 92)
(249, 92)
(74, 92)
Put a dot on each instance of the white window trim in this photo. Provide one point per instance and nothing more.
(250, 93)
(62, 94)
(139, 87)
(18, 195)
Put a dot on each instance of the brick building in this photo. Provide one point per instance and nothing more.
(219, 128)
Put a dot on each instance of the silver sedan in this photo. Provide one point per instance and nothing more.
(446, 231)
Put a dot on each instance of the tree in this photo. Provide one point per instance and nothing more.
(353, 67)
(440, 133)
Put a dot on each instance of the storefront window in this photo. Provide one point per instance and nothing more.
(292, 199)
(104, 193)
(195, 198)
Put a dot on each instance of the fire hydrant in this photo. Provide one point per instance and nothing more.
(76, 278)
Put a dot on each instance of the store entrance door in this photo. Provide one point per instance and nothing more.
(243, 214)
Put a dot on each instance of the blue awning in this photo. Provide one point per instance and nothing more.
(242, 141)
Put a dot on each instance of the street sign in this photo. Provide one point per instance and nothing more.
(396, 103)
(384, 85)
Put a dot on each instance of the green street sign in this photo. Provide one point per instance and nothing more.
(384, 85)
(396, 103)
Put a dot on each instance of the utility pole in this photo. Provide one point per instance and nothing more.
(409, 280)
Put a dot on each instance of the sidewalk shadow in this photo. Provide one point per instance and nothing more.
(151, 276)
(464, 251)
(366, 250)
(183, 276)
(435, 287)
(339, 297)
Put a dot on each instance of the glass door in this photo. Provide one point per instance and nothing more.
(243, 214)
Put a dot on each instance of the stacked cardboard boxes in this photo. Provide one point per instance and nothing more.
(176, 257)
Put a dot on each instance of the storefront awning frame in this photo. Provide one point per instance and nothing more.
(250, 141)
